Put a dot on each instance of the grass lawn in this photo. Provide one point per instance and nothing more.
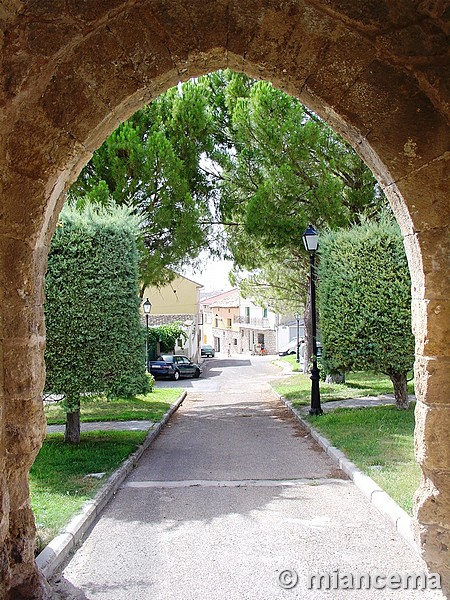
(297, 388)
(57, 479)
(150, 407)
(380, 442)
(291, 359)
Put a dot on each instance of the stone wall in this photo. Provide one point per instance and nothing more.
(378, 72)
(247, 335)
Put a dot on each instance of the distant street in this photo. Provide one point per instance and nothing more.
(223, 371)
(234, 501)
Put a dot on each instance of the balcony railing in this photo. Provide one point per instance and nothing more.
(255, 322)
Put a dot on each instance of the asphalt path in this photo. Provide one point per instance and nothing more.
(235, 500)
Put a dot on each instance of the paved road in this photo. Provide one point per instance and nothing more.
(232, 494)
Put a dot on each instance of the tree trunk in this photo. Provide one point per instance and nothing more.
(399, 382)
(308, 331)
(72, 432)
(335, 378)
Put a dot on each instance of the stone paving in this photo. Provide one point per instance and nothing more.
(107, 426)
(362, 402)
(233, 497)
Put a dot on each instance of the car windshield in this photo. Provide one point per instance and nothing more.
(165, 358)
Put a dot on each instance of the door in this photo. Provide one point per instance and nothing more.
(185, 366)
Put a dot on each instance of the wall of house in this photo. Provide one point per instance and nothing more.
(181, 296)
(286, 333)
(257, 313)
(224, 318)
(249, 340)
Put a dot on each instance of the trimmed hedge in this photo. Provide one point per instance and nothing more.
(95, 341)
(364, 297)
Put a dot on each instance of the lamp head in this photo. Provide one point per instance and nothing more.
(311, 239)
(147, 306)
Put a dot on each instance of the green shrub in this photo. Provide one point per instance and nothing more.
(364, 296)
(95, 340)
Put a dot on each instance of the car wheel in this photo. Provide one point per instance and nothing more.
(176, 375)
(197, 373)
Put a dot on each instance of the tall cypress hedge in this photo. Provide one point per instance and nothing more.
(95, 341)
(364, 298)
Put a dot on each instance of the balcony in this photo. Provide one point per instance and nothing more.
(253, 322)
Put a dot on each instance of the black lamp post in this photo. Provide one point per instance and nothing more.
(311, 241)
(147, 306)
(297, 317)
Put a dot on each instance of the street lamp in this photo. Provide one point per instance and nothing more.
(311, 240)
(147, 306)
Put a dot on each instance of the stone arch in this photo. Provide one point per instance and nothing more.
(72, 71)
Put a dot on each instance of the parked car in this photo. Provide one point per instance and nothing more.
(290, 348)
(173, 366)
(207, 351)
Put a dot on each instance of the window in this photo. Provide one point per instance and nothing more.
(264, 313)
(247, 314)
(235, 341)
(229, 323)
(216, 322)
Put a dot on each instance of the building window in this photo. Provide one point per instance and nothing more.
(235, 341)
(229, 323)
(264, 313)
(247, 314)
(216, 321)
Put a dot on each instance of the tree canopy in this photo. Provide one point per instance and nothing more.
(231, 164)
(281, 168)
(166, 336)
(151, 163)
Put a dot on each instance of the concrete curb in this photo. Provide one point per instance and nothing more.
(285, 367)
(378, 497)
(60, 547)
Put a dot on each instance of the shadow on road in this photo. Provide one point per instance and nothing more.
(223, 363)
(210, 369)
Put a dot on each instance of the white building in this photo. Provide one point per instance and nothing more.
(287, 331)
(231, 322)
